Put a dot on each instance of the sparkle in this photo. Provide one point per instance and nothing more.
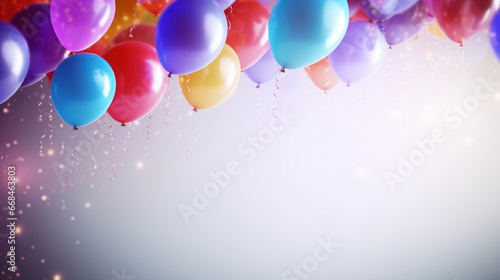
(57, 277)
(18, 230)
(28, 205)
(50, 152)
(72, 218)
(7, 145)
(40, 170)
(87, 205)
(140, 165)
(42, 260)
(5, 110)
(15, 142)
(78, 242)
(44, 198)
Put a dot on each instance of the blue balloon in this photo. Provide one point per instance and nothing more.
(495, 34)
(190, 34)
(82, 88)
(304, 32)
(14, 60)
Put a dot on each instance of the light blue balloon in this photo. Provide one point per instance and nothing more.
(304, 32)
(82, 88)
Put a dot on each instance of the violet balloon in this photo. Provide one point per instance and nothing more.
(46, 52)
(264, 70)
(189, 35)
(14, 60)
(405, 25)
(80, 23)
(360, 54)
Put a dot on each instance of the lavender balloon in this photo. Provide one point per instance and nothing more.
(405, 25)
(264, 70)
(80, 23)
(360, 54)
(46, 52)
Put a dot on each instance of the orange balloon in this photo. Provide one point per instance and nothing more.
(156, 6)
(214, 84)
(126, 12)
(322, 75)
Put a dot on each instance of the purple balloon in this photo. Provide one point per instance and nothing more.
(405, 25)
(190, 34)
(80, 23)
(360, 54)
(32, 79)
(353, 7)
(14, 60)
(46, 52)
(384, 9)
(264, 70)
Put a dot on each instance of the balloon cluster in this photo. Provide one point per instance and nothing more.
(98, 57)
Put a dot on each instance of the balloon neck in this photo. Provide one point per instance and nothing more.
(169, 75)
(282, 70)
(258, 85)
(75, 128)
(123, 124)
(195, 109)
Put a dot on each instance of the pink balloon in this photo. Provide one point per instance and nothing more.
(79, 24)
(142, 32)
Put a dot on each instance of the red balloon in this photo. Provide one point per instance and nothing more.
(9, 8)
(98, 48)
(459, 19)
(143, 32)
(360, 16)
(247, 35)
(156, 6)
(141, 80)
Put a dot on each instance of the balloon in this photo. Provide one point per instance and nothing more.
(304, 32)
(214, 84)
(190, 34)
(45, 50)
(14, 60)
(224, 4)
(156, 6)
(143, 32)
(495, 34)
(126, 12)
(141, 81)
(81, 23)
(459, 19)
(360, 54)
(384, 9)
(322, 75)
(353, 7)
(248, 35)
(360, 16)
(405, 25)
(265, 70)
(32, 79)
(9, 8)
(428, 3)
(82, 89)
(98, 49)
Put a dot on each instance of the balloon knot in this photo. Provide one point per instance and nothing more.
(123, 124)
(282, 70)
(461, 44)
(75, 128)
(195, 109)
(156, 15)
(348, 84)
(390, 47)
(169, 75)
(258, 85)
(324, 92)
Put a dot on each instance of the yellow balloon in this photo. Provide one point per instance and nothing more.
(434, 28)
(214, 84)
(126, 12)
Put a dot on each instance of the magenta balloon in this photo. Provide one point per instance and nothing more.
(265, 70)
(81, 23)
(429, 6)
(360, 54)
(405, 25)
(143, 32)
(353, 7)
